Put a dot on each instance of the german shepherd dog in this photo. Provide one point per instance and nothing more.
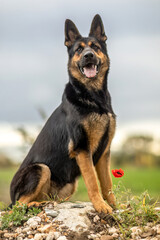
(76, 138)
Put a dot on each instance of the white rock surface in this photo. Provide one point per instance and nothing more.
(74, 218)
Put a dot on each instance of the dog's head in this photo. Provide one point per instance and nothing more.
(88, 59)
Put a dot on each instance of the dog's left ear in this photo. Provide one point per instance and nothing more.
(71, 33)
(97, 29)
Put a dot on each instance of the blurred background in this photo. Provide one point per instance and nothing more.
(33, 73)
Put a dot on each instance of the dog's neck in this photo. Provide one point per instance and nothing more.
(88, 100)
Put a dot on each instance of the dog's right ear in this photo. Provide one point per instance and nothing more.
(71, 33)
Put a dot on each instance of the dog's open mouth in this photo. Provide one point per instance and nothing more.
(90, 70)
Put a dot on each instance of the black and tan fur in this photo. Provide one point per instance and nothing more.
(76, 138)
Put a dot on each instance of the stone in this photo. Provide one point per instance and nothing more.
(96, 218)
(39, 236)
(158, 229)
(51, 212)
(46, 228)
(106, 237)
(56, 235)
(18, 230)
(50, 236)
(33, 222)
(25, 230)
(75, 219)
(92, 236)
(10, 235)
(62, 238)
(77, 206)
(35, 218)
(112, 230)
(20, 238)
(115, 235)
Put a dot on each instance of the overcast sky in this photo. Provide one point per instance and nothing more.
(33, 58)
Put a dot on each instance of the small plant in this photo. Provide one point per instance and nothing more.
(133, 210)
(17, 215)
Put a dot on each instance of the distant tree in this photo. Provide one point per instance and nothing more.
(137, 143)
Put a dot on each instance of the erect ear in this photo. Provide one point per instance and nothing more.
(97, 29)
(71, 33)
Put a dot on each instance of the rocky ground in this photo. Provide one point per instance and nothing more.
(75, 221)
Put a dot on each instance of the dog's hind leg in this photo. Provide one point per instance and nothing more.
(67, 191)
(31, 183)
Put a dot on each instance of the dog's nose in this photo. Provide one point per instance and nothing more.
(88, 55)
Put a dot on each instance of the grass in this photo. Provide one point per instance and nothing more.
(137, 179)
(6, 175)
(133, 210)
(18, 215)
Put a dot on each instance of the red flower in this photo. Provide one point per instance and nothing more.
(117, 173)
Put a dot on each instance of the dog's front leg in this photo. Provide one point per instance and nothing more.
(103, 172)
(84, 161)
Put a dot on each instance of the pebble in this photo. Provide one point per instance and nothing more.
(92, 236)
(51, 212)
(33, 222)
(24, 230)
(46, 228)
(10, 235)
(158, 229)
(62, 238)
(56, 235)
(112, 230)
(115, 235)
(96, 218)
(39, 236)
(20, 238)
(106, 237)
(77, 206)
(136, 230)
(50, 236)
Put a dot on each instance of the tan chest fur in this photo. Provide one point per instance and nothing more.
(95, 126)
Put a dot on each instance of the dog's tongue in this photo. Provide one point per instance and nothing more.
(90, 71)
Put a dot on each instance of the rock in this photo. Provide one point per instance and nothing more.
(20, 238)
(77, 206)
(39, 236)
(112, 230)
(96, 218)
(158, 229)
(56, 235)
(46, 228)
(146, 234)
(92, 236)
(30, 236)
(115, 235)
(35, 218)
(33, 222)
(150, 224)
(50, 236)
(75, 219)
(51, 212)
(136, 230)
(62, 238)
(106, 237)
(10, 235)
(25, 230)
(18, 230)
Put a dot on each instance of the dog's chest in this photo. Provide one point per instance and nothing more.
(95, 126)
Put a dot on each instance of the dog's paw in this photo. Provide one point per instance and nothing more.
(102, 207)
(111, 199)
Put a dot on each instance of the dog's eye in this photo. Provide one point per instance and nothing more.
(79, 49)
(95, 47)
